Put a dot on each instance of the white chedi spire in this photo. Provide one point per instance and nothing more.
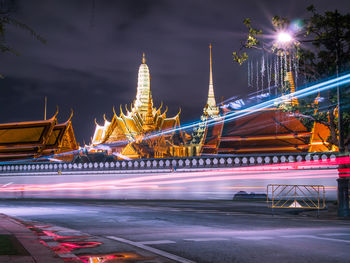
(143, 89)
(211, 109)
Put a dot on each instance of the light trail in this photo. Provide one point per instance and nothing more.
(339, 81)
(110, 185)
(286, 171)
(250, 169)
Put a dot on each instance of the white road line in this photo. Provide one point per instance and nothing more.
(316, 237)
(156, 242)
(254, 238)
(151, 249)
(206, 239)
(336, 234)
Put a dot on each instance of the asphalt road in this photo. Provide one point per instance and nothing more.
(211, 231)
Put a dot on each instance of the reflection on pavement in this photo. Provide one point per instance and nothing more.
(113, 258)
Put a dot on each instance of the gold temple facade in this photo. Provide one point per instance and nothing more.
(143, 131)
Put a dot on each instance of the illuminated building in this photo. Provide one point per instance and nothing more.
(210, 111)
(35, 139)
(266, 131)
(271, 130)
(320, 133)
(130, 135)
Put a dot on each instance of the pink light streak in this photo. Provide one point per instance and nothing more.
(316, 170)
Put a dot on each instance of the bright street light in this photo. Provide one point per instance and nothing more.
(284, 38)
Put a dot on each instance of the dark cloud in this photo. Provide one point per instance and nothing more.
(94, 48)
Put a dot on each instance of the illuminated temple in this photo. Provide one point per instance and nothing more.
(37, 139)
(143, 131)
(267, 131)
(270, 130)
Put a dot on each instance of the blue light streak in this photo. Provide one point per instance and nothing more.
(343, 80)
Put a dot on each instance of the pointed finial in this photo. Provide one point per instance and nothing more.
(211, 67)
(45, 108)
(143, 58)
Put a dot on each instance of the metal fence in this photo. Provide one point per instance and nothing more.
(296, 196)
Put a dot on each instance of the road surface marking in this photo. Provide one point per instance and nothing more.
(253, 238)
(316, 237)
(206, 239)
(336, 234)
(156, 242)
(151, 249)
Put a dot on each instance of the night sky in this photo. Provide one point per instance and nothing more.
(94, 48)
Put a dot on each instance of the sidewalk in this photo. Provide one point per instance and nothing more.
(20, 245)
(54, 244)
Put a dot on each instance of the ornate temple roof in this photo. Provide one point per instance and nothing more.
(265, 131)
(26, 140)
(143, 119)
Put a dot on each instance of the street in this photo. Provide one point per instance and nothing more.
(202, 231)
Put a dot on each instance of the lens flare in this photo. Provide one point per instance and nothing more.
(284, 37)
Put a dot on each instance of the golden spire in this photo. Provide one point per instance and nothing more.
(211, 68)
(143, 89)
(45, 108)
(211, 97)
(211, 109)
